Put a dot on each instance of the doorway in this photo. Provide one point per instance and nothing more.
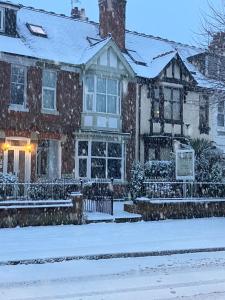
(17, 160)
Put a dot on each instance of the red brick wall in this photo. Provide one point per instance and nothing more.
(69, 105)
(112, 21)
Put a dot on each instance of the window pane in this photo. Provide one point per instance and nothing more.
(112, 87)
(98, 149)
(165, 153)
(114, 150)
(176, 95)
(220, 120)
(89, 102)
(112, 104)
(151, 154)
(82, 167)
(101, 85)
(221, 106)
(156, 109)
(49, 79)
(101, 103)
(167, 110)
(42, 158)
(167, 94)
(114, 168)
(156, 92)
(90, 84)
(1, 20)
(83, 148)
(48, 99)
(17, 94)
(176, 111)
(98, 168)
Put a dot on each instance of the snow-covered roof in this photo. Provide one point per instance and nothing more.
(68, 41)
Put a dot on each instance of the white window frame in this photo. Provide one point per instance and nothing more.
(2, 23)
(44, 109)
(222, 114)
(94, 95)
(19, 107)
(89, 158)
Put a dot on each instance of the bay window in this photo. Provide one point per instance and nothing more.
(18, 82)
(49, 90)
(98, 159)
(102, 95)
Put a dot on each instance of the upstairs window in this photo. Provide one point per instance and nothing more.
(156, 103)
(37, 30)
(2, 13)
(18, 78)
(221, 114)
(102, 95)
(204, 114)
(49, 90)
(172, 104)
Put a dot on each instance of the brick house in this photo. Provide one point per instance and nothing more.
(85, 100)
(67, 95)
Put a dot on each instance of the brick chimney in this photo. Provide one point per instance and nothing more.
(112, 18)
(78, 14)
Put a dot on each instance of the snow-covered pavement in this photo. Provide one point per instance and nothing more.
(189, 276)
(94, 239)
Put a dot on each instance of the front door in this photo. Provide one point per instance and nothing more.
(17, 161)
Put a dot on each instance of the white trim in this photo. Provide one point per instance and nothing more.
(94, 95)
(89, 157)
(2, 23)
(47, 109)
(17, 149)
(14, 106)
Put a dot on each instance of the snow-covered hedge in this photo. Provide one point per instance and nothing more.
(59, 189)
(7, 178)
(160, 170)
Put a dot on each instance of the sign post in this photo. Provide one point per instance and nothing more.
(185, 167)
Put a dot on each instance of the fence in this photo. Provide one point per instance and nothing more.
(183, 190)
(97, 194)
(99, 198)
(37, 191)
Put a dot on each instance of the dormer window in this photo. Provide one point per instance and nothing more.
(37, 30)
(2, 17)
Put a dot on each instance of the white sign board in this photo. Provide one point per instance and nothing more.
(185, 165)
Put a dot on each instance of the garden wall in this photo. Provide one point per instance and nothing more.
(41, 215)
(182, 209)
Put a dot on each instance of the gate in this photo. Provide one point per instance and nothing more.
(98, 197)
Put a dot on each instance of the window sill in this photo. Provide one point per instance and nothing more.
(18, 108)
(49, 112)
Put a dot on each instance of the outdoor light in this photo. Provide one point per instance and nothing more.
(5, 147)
(28, 148)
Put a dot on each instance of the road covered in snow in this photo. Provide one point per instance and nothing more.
(187, 276)
(96, 239)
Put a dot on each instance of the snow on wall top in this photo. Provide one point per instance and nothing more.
(67, 43)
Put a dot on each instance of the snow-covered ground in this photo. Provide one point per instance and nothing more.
(189, 276)
(60, 241)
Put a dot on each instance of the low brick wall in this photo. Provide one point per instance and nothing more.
(178, 210)
(42, 216)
